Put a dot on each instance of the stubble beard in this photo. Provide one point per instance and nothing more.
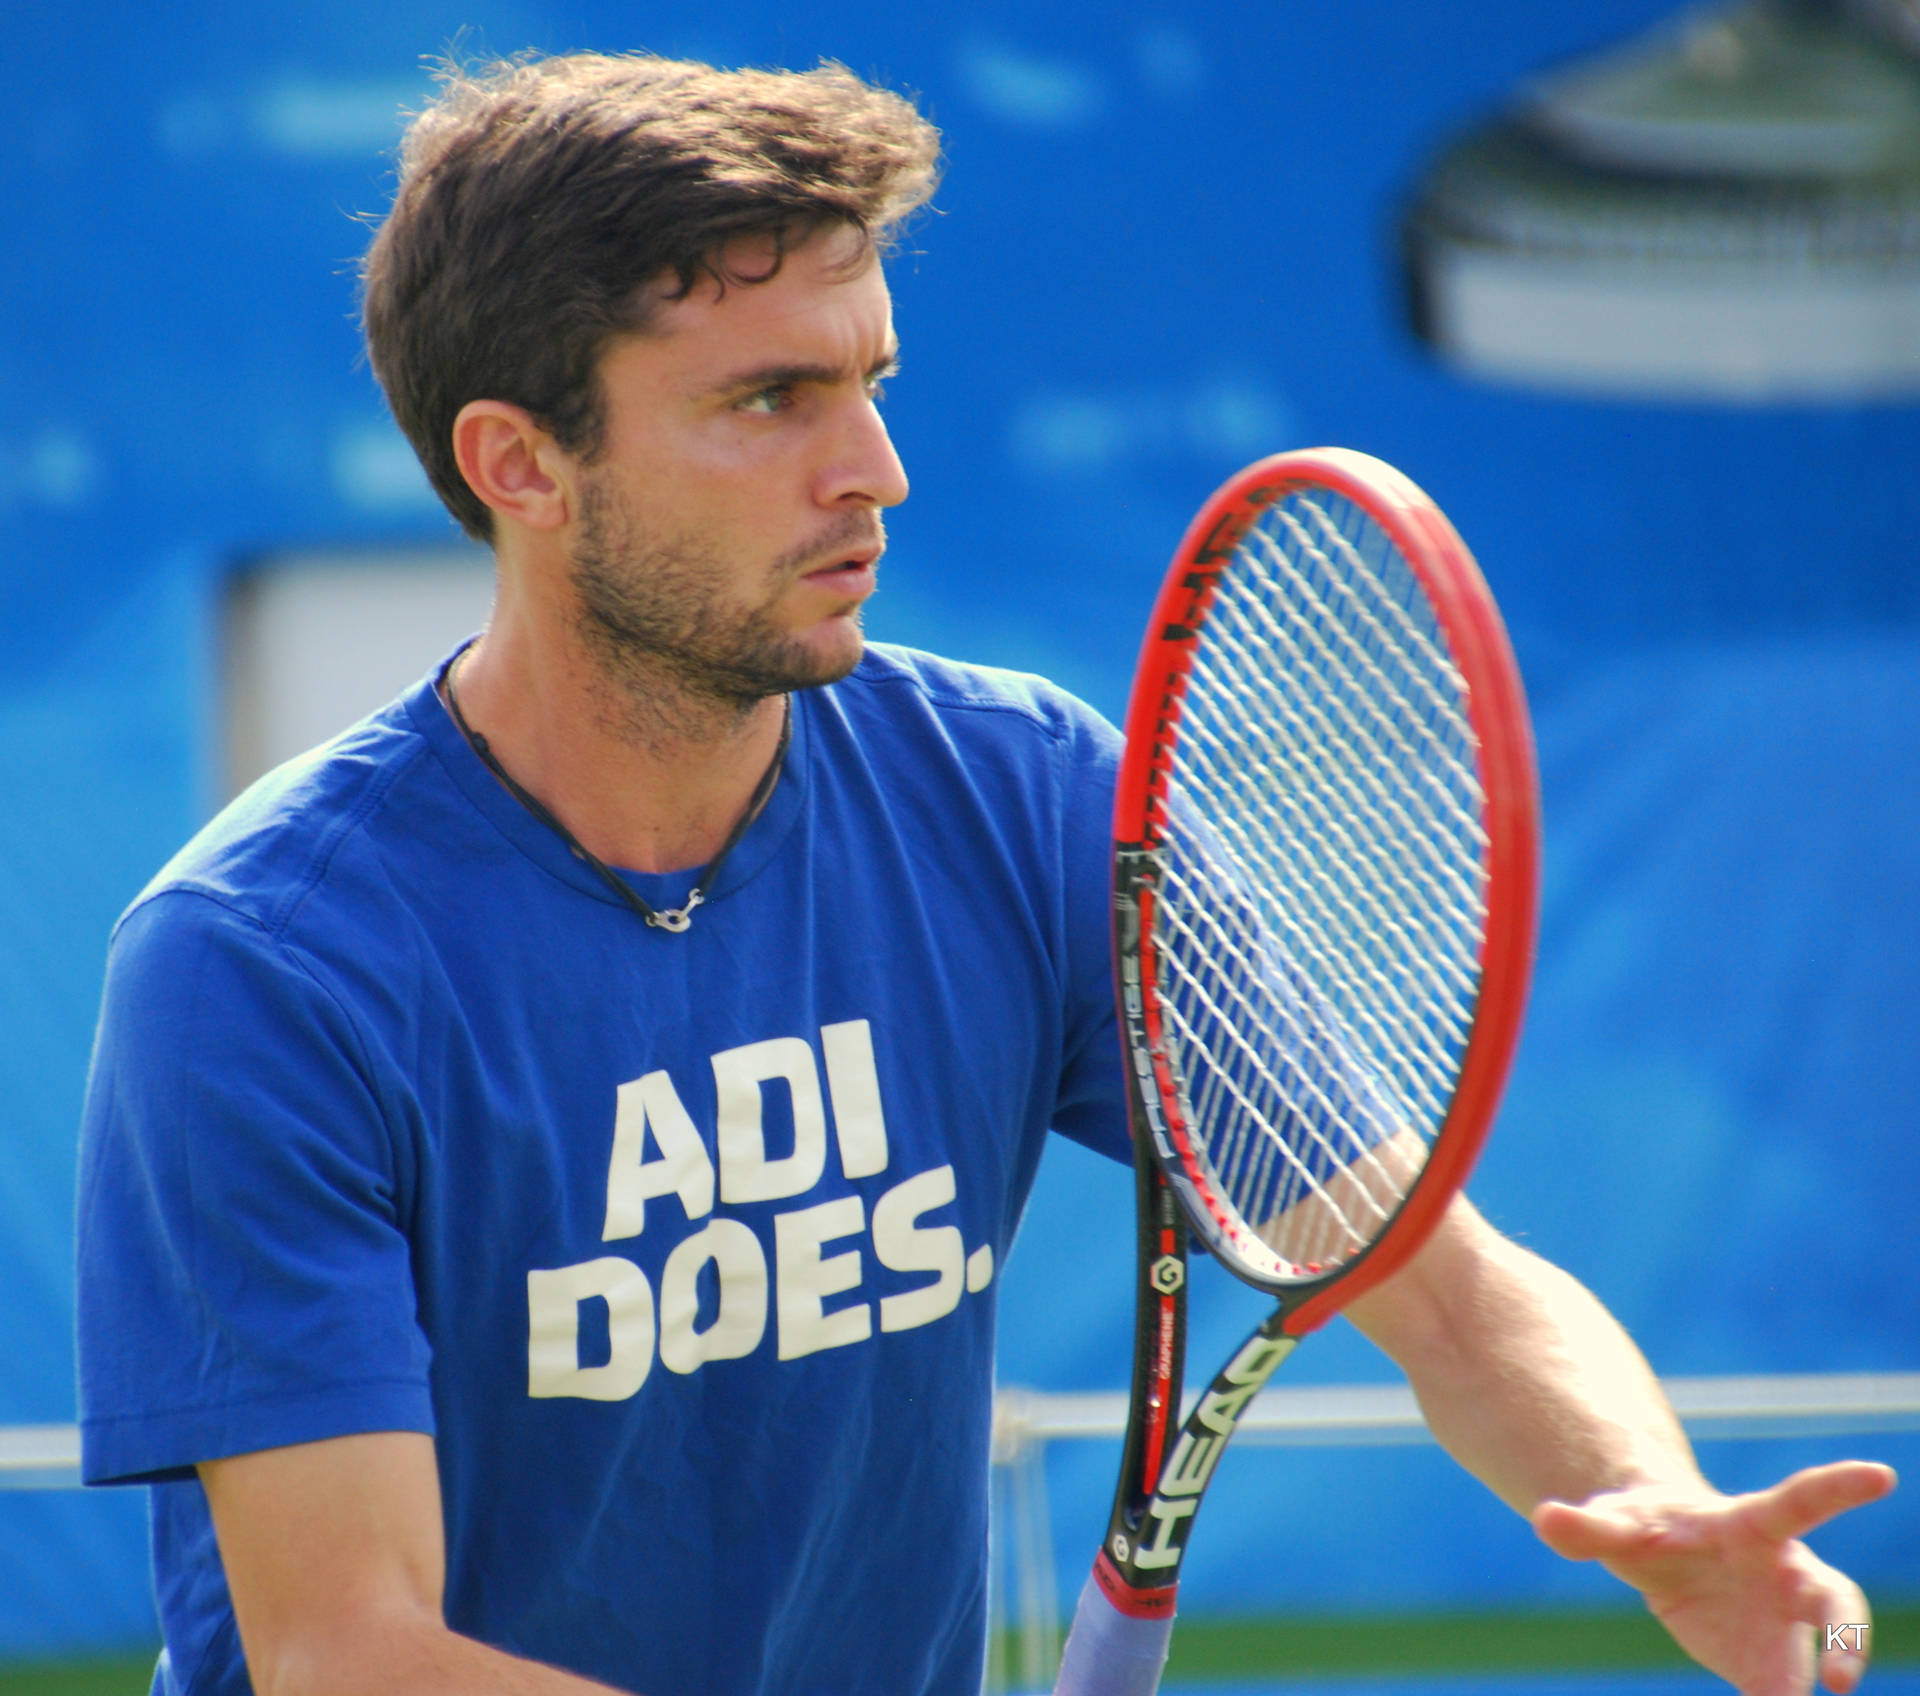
(677, 658)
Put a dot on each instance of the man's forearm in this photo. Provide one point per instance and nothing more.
(335, 1561)
(418, 1656)
(1522, 1375)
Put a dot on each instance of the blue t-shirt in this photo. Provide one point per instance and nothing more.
(683, 1247)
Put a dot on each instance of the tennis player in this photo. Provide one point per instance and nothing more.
(549, 1151)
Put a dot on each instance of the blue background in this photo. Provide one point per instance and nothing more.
(1165, 245)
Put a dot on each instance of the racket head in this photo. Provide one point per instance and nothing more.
(1326, 874)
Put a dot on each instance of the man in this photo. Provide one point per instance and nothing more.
(516, 1274)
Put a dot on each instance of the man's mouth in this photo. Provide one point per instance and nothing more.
(852, 574)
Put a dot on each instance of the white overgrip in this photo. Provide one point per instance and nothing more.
(1110, 1653)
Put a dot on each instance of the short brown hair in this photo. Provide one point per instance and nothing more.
(539, 197)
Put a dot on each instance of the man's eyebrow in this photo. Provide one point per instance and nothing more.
(781, 376)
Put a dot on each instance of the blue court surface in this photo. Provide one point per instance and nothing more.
(1894, 1681)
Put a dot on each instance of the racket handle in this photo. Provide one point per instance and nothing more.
(1110, 1653)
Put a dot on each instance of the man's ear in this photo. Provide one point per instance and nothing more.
(513, 465)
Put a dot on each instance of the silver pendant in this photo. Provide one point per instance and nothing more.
(676, 918)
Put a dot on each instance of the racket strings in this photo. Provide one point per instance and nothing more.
(1358, 821)
(1337, 882)
(1410, 815)
(1372, 627)
(1341, 879)
(1322, 888)
(1265, 1170)
(1444, 779)
(1239, 1000)
(1346, 807)
(1249, 1076)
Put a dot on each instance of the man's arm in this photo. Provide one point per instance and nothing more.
(335, 1559)
(1536, 1390)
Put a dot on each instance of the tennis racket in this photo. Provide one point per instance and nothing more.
(1325, 874)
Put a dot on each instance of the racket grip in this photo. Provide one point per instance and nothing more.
(1110, 1653)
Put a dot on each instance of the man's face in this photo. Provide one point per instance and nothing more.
(729, 530)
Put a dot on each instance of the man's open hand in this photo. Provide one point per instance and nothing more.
(1729, 1576)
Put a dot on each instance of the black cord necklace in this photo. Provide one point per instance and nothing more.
(665, 918)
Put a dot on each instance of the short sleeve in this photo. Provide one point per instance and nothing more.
(1091, 1107)
(244, 1272)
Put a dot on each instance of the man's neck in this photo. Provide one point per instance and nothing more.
(642, 772)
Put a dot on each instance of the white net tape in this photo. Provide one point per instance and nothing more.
(1322, 897)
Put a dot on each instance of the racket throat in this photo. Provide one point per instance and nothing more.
(1139, 1566)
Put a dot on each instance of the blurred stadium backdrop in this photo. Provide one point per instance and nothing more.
(1173, 236)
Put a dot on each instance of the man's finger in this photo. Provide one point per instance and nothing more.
(1795, 1505)
(1830, 1602)
(1844, 1648)
(1587, 1534)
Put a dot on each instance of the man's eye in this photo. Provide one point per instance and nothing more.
(768, 401)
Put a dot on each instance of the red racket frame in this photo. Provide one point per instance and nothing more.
(1496, 706)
